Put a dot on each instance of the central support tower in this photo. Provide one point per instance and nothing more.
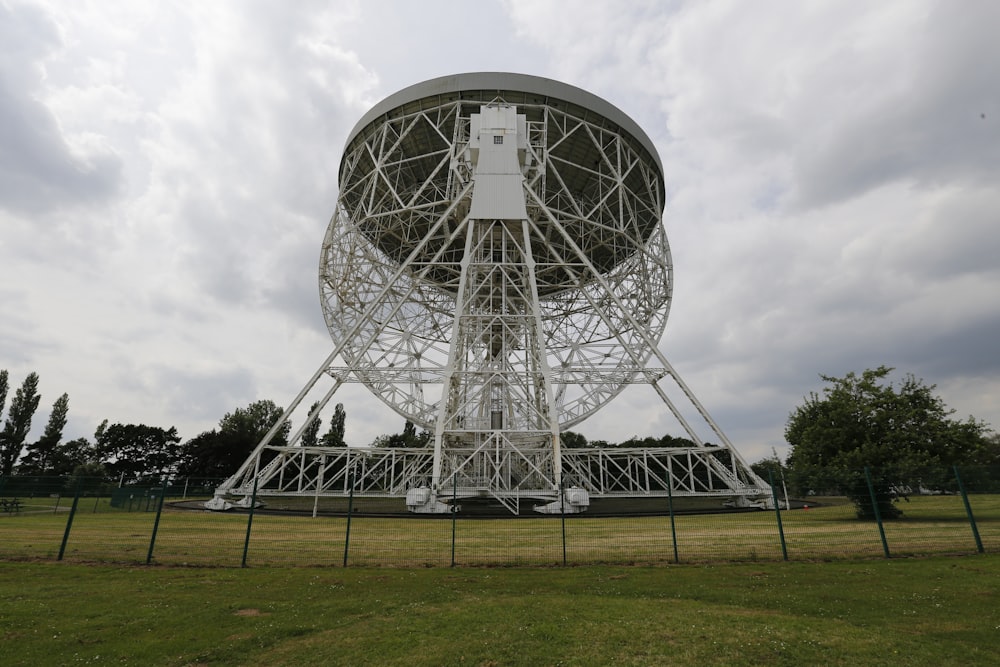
(498, 396)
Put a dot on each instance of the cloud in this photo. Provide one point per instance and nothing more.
(830, 170)
(40, 168)
(924, 124)
(167, 173)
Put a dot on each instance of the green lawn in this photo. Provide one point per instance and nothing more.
(927, 611)
(828, 530)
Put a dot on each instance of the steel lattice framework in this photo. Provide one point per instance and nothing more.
(496, 270)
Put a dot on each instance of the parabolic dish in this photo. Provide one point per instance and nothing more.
(391, 259)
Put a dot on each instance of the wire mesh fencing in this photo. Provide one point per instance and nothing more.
(836, 515)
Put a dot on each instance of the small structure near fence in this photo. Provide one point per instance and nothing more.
(136, 498)
(10, 506)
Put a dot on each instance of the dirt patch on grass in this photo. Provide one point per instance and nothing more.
(249, 612)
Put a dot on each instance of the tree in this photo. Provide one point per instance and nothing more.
(40, 457)
(572, 440)
(902, 434)
(18, 423)
(408, 438)
(137, 453)
(335, 436)
(4, 387)
(218, 453)
(769, 468)
(254, 421)
(73, 454)
(409, 431)
(676, 441)
(86, 477)
(988, 453)
(310, 435)
(213, 454)
(79, 458)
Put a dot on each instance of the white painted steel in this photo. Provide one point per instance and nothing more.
(496, 271)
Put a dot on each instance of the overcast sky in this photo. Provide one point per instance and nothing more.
(168, 169)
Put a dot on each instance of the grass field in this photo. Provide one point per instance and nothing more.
(730, 601)
(827, 531)
(921, 611)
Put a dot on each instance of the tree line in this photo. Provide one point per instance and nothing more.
(41, 454)
(139, 453)
(904, 434)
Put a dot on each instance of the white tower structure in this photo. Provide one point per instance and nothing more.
(496, 270)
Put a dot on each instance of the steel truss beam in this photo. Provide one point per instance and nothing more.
(477, 471)
(496, 274)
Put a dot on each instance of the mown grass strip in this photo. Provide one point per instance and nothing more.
(828, 530)
(937, 611)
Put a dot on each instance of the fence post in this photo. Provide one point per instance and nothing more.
(69, 521)
(968, 511)
(454, 513)
(777, 513)
(878, 514)
(253, 506)
(350, 512)
(156, 522)
(670, 505)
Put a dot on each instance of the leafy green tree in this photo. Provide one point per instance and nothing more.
(80, 460)
(218, 453)
(18, 424)
(310, 436)
(137, 453)
(40, 457)
(335, 436)
(99, 431)
(649, 442)
(253, 422)
(572, 440)
(73, 454)
(409, 431)
(86, 477)
(414, 439)
(988, 453)
(768, 467)
(675, 441)
(4, 388)
(213, 454)
(901, 433)
(635, 442)
(408, 438)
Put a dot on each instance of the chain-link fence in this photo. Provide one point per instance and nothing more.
(831, 515)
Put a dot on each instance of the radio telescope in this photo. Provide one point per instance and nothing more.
(496, 271)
